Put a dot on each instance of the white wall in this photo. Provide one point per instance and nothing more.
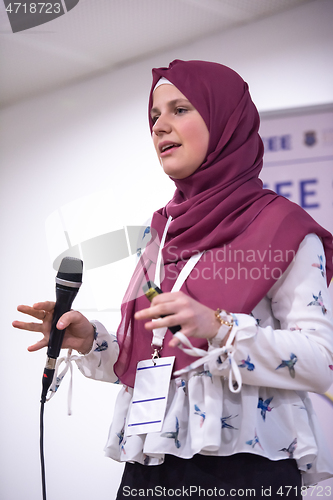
(93, 138)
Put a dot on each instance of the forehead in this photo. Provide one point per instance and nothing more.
(166, 93)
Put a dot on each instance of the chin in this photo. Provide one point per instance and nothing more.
(175, 176)
(175, 173)
(179, 172)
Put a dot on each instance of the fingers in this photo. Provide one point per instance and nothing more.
(168, 321)
(39, 345)
(67, 319)
(159, 318)
(174, 342)
(79, 333)
(31, 312)
(38, 310)
(31, 327)
(166, 310)
(46, 306)
(177, 308)
(42, 311)
(77, 326)
(162, 305)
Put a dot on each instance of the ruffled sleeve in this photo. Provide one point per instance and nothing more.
(99, 362)
(288, 345)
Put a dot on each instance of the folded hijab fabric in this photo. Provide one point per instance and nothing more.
(249, 234)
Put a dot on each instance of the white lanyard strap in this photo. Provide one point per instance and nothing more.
(159, 333)
(157, 279)
(185, 272)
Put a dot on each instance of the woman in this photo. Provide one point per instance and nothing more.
(243, 269)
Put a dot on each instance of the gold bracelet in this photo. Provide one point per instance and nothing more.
(218, 313)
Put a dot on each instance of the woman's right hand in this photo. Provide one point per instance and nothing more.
(79, 333)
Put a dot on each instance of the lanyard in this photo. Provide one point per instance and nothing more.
(159, 333)
(152, 378)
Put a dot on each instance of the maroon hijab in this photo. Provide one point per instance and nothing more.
(249, 234)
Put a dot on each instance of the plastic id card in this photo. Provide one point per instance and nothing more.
(150, 396)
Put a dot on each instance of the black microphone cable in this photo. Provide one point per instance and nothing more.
(41, 448)
(68, 282)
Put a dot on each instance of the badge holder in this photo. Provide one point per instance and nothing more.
(152, 380)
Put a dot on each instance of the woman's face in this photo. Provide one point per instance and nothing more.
(180, 134)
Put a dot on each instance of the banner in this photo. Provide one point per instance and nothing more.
(298, 160)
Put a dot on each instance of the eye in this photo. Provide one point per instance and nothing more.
(181, 110)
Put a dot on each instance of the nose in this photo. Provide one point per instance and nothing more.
(162, 125)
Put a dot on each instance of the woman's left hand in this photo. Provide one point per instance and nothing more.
(195, 319)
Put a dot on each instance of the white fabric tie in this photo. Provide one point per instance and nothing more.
(228, 349)
(57, 379)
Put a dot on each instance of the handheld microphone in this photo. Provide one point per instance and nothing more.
(68, 282)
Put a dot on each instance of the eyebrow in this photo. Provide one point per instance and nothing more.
(171, 104)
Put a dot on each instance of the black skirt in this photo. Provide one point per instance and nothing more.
(243, 475)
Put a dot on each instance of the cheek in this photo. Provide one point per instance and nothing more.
(155, 140)
(198, 138)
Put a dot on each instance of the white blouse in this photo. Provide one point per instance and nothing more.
(282, 349)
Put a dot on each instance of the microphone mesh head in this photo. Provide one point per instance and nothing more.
(70, 269)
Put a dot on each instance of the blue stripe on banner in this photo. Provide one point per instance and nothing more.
(153, 366)
(143, 423)
(145, 400)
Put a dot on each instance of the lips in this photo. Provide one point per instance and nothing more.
(166, 147)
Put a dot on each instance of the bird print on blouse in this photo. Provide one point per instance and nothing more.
(120, 436)
(235, 319)
(225, 424)
(295, 328)
(300, 407)
(257, 320)
(58, 382)
(318, 301)
(102, 347)
(290, 363)
(264, 406)
(246, 363)
(320, 265)
(181, 384)
(291, 448)
(173, 434)
(139, 249)
(202, 414)
(254, 441)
